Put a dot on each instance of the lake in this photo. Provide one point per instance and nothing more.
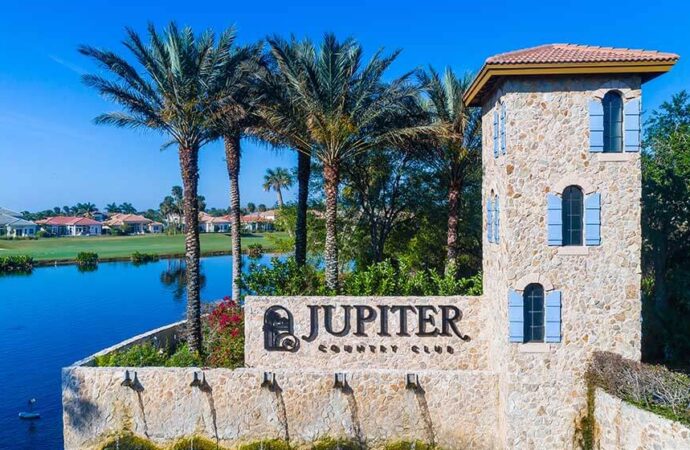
(58, 315)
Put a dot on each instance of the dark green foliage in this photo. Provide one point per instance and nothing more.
(139, 258)
(651, 387)
(16, 264)
(196, 443)
(255, 251)
(337, 444)
(284, 278)
(385, 278)
(666, 234)
(270, 444)
(140, 355)
(129, 442)
(87, 259)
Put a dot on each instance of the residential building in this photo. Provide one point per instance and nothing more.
(259, 221)
(11, 226)
(155, 227)
(71, 226)
(211, 224)
(129, 223)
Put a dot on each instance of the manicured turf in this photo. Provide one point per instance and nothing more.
(66, 248)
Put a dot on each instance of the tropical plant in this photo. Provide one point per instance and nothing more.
(16, 264)
(278, 180)
(177, 91)
(348, 109)
(285, 126)
(112, 208)
(457, 151)
(251, 207)
(234, 121)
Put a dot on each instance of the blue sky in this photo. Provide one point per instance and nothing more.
(51, 153)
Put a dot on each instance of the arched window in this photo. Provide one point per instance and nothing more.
(613, 122)
(534, 313)
(573, 212)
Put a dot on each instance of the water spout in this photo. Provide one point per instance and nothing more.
(340, 381)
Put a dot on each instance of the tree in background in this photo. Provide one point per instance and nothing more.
(176, 92)
(233, 123)
(251, 207)
(261, 207)
(457, 152)
(666, 233)
(278, 180)
(127, 208)
(284, 125)
(112, 208)
(348, 109)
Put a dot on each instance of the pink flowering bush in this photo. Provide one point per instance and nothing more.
(224, 335)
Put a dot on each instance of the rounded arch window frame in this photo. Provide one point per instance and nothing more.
(620, 122)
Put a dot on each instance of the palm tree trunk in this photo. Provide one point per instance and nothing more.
(303, 174)
(189, 167)
(452, 239)
(331, 179)
(279, 193)
(232, 157)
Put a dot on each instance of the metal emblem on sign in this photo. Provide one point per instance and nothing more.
(279, 330)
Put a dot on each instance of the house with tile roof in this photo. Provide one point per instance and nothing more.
(259, 221)
(129, 223)
(212, 224)
(71, 226)
(12, 226)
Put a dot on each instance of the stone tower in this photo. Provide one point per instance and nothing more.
(561, 198)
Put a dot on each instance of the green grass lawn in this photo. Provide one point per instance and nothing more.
(66, 248)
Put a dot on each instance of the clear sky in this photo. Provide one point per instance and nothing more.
(51, 153)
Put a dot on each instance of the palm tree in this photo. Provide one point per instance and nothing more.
(347, 108)
(175, 92)
(278, 180)
(236, 120)
(286, 124)
(458, 147)
(112, 208)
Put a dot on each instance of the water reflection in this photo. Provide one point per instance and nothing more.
(174, 277)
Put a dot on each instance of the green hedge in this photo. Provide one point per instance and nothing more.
(16, 264)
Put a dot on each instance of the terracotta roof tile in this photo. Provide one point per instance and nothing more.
(571, 53)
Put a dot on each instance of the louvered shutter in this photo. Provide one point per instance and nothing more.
(516, 316)
(497, 215)
(554, 219)
(593, 219)
(552, 319)
(495, 134)
(632, 126)
(596, 126)
(503, 129)
(489, 220)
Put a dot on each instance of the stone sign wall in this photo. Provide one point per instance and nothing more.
(446, 333)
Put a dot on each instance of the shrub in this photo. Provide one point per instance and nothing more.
(651, 387)
(139, 258)
(140, 355)
(16, 264)
(410, 445)
(255, 251)
(284, 278)
(337, 444)
(128, 442)
(43, 234)
(196, 443)
(224, 337)
(271, 444)
(87, 259)
(184, 357)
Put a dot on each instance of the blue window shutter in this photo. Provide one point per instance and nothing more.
(593, 219)
(516, 316)
(497, 235)
(632, 126)
(552, 322)
(596, 126)
(495, 134)
(503, 129)
(554, 219)
(489, 220)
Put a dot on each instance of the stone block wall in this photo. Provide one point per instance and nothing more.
(456, 410)
(620, 425)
